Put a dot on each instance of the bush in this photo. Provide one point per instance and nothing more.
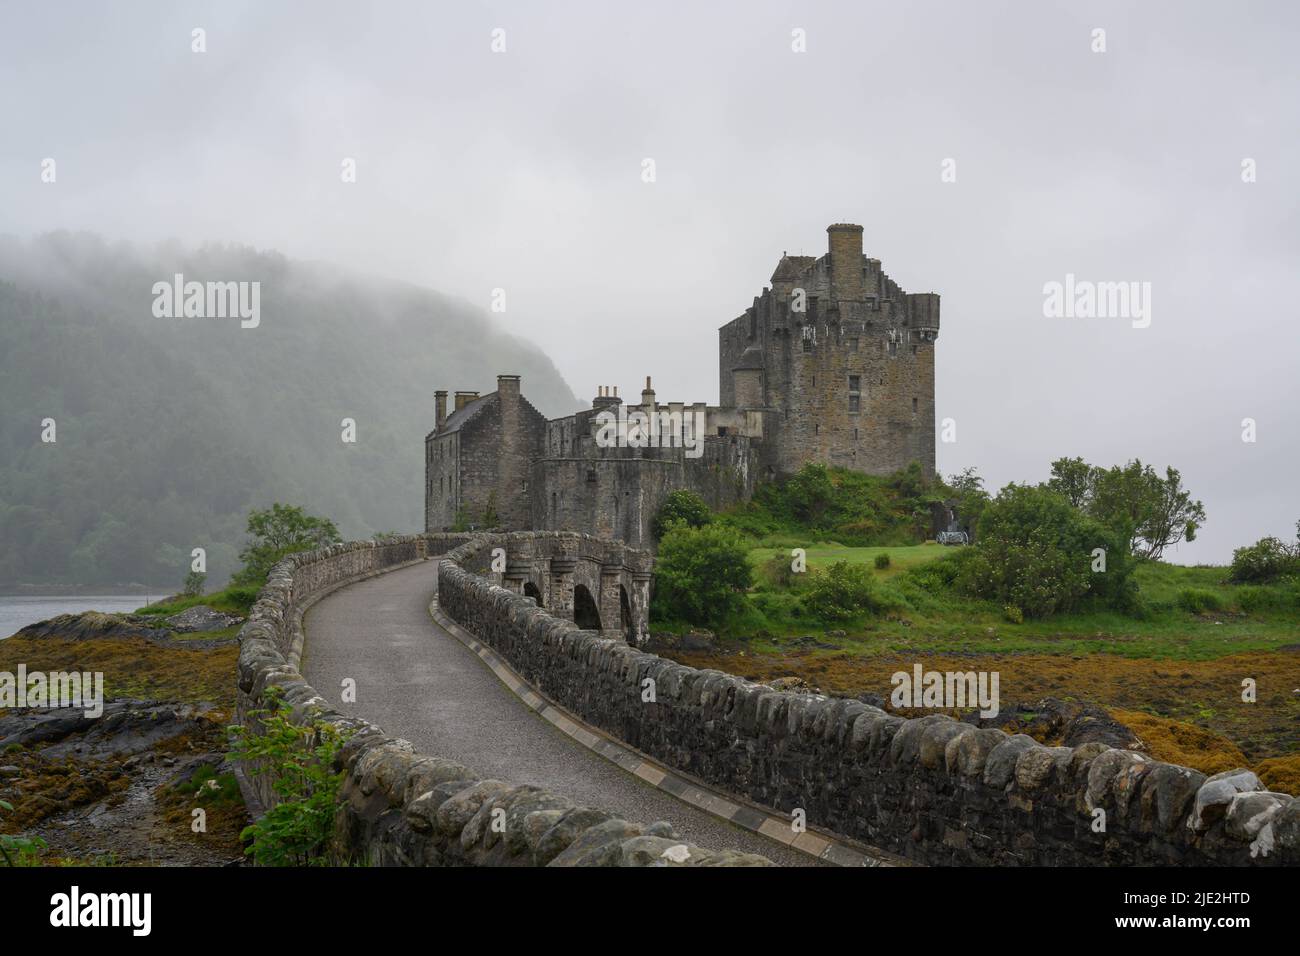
(1013, 614)
(701, 574)
(882, 562)
(1199, 600)
(1035, 551)
(1266, 560)
(841, 593)
(193, 586)
(278, 531)
(684, 507)
(300, 760)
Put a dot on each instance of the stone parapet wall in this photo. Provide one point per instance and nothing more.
(932, 789)
(403, 808)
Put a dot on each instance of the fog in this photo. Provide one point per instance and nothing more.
(522, 170)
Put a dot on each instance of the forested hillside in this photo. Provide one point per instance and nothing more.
(168, 430)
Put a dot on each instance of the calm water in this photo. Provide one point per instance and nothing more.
(17, 612)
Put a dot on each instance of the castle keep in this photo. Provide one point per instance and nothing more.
(833, 362)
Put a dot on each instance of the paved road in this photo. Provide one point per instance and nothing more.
(418, 682)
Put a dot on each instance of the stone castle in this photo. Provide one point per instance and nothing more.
(833, 362)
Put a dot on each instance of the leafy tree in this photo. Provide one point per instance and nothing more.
(194, 583)
(1151, 512)
(278, 531)
(970, 498)
(685, 507)
(1072, 478)
(1266, 560)
(1036, 552)
(701, 574)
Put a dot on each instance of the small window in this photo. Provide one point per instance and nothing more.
(591, 474)
(855, 403)
(807, 344)
(853, 345)
(855, 394)
(913, 406)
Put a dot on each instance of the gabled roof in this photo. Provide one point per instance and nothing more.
(457, 419)
(792, 267)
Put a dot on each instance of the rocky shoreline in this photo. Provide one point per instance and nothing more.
(145, 783)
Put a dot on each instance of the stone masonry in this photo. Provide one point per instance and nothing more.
(833, 362)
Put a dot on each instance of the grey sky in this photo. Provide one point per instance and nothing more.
(522, 170)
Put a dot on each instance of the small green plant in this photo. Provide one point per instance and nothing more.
(841, 593)
(300, 762)
(194, 582)
(882, 561)
(1199, 600)
(18, 850)
(1013, 614)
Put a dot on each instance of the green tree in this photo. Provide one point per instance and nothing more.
(194, 583)
(701, 574)
(278, 531)
(685, 507)
(1151, 512)
(1038, 553)
(1072, 478)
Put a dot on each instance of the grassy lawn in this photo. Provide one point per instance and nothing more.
(1173, 671)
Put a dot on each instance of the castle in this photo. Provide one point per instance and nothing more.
(833, 362)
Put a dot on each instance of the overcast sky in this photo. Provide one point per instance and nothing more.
(522, 170)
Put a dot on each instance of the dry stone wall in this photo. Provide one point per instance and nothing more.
(400, 807)
(932, 789)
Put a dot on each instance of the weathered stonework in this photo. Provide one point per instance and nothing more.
(402, 808)
(833, 363)
(931, 789)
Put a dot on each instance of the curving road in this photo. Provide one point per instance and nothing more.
(418, 682)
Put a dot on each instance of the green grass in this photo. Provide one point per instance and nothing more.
(822, 556)
(232, 600)
(1187, 613)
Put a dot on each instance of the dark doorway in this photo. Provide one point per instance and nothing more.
(585, 612)
(530, 590)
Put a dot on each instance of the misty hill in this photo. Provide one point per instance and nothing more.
(170, 429)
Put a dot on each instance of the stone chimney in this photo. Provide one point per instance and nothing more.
(847, 279)
(464, 398)
(439, 408)
(508, 387)
(648, 396)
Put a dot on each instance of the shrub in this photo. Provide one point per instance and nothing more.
(882, 561)
(701, 574)
(1199, 600)
(841, 593)
(300, 760)
(1013, 614)
(276, 532)
(18, 850)
(1266, 560)
(683, 507)
(193, 585)
(1035, 551)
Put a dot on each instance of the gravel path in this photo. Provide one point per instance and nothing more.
(418, 682)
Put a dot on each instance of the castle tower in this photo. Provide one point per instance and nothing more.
(841, 361)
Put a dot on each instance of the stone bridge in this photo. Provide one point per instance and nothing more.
(931, 789)
(597, 584)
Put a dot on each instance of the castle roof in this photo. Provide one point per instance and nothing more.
(792, 267)
(459, 418)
